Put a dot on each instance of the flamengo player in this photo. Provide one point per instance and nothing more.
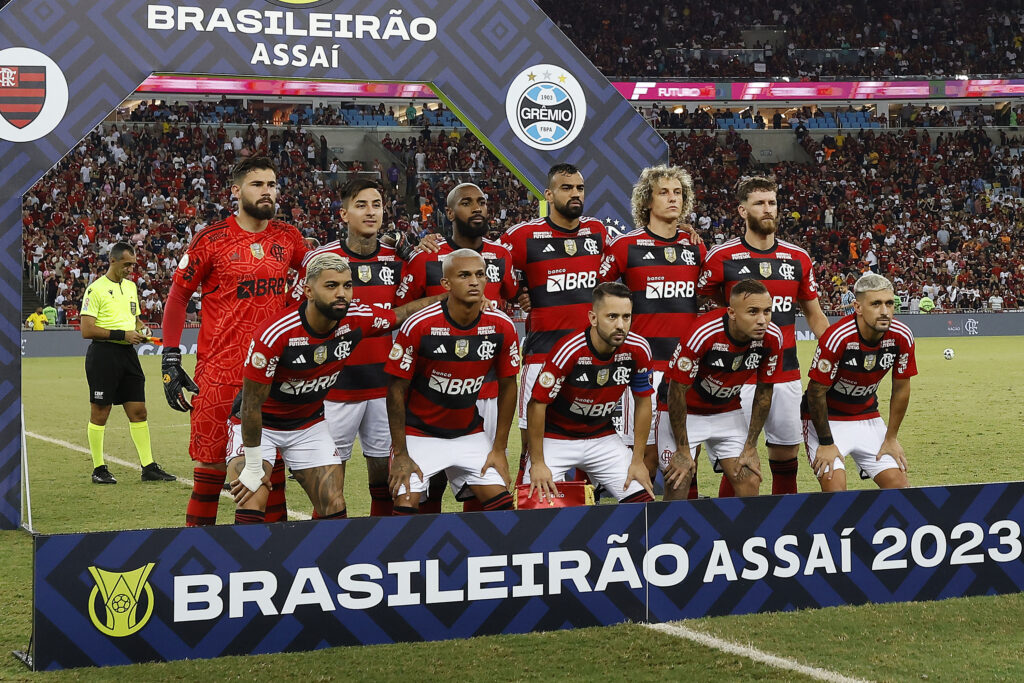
(241, 263)
(356, 404)
(559, 258)
(841, 403)
(661, 265)
(294, 359)
(579, 386)
(786, 270)
(713, 361)
(438, 365)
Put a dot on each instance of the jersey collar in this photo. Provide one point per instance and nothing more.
(732, 340)
(770, 250)
(448, 317)
(558, 228)
(305, 323)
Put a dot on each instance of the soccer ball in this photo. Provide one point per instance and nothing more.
(948, 354)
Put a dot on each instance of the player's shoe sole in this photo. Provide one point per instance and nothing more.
(153, 472)
(101, 475)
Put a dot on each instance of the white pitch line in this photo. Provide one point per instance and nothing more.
(707, 640)
(292, 514)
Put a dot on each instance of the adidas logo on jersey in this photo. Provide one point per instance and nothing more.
(300, 359)
(718, 363)
(583, 378)
(744, 271)
(548, 248)
(440, 349)
(852, 362)
(648, 256)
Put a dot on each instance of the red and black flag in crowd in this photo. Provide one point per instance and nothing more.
(22, 93)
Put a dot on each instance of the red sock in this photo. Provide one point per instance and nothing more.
(315, 515)
(249, 517)
(277, 508)
(430, 507)
(399, 511)
(522, 467)
(783, 475)
(472, 505)
(725, 489)
(692, 495)
(206, 487)
(502, 501)
(380, 501)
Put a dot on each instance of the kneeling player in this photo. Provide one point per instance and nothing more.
(293, 360)
(569, 417)
(438, 365)
(722, 351)
(841, 404)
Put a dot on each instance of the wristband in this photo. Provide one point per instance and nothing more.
(117, 335)
(826, 440)
(253, 457)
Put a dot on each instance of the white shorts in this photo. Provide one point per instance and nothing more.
(368, 419)
(858, 438)
(527, 378)
(625, 428)
(488, 408)
(723, 436)
(461, 458)
(301, 449)
(604, 459)
(782, 428)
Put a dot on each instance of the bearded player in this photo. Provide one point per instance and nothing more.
(841, 404)
(660, 263)
(788, 273)
(294, 359)
(467, 210)
(578, 388)
(356, 404)
(241, 263)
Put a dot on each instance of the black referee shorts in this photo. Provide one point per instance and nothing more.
(114, 373)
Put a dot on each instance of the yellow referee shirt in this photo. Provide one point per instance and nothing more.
(114, 304)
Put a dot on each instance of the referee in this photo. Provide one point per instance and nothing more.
(110, 318)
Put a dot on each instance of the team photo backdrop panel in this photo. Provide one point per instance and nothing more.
(502, 64)
(116, 598)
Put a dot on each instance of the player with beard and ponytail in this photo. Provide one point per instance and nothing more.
(355, 406)
(467, 210)
(242, 264)
(293, 360)
(788, 273)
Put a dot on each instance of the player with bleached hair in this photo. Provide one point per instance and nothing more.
(840, 407)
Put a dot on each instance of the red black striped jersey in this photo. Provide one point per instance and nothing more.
(301, 365)
(716, 366)
(852, 368)
(583, 387)
(243, 276)
(559, 269)
(785, 269)
(662, 275)
(423, 278)
(447, 365)
(374, 278)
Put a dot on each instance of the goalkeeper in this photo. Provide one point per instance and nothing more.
(110, 318)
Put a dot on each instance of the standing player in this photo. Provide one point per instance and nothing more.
(467, 210)
(786, 270)
(294, 359)
(110, 318)
(438, 365)
(357, 404)
(841, 404)
(559, 258)
(661, 265)
(579, 386)
(242, 264)
(712, 363)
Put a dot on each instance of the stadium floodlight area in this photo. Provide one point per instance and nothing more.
(113, 598)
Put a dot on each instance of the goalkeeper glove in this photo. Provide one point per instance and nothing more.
(176, 380)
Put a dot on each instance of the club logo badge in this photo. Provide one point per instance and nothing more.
(33, 94)
(546, 107)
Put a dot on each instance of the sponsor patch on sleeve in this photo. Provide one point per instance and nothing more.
(396, 352)
(546, 380)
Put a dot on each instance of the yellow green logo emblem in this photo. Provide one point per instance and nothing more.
(115, 600)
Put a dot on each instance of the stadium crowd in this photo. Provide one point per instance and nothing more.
(874, 38)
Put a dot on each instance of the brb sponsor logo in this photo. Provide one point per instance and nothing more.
(33, 94)
(120, 603)
(546, 107)
(261, 286)
(566, 282)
